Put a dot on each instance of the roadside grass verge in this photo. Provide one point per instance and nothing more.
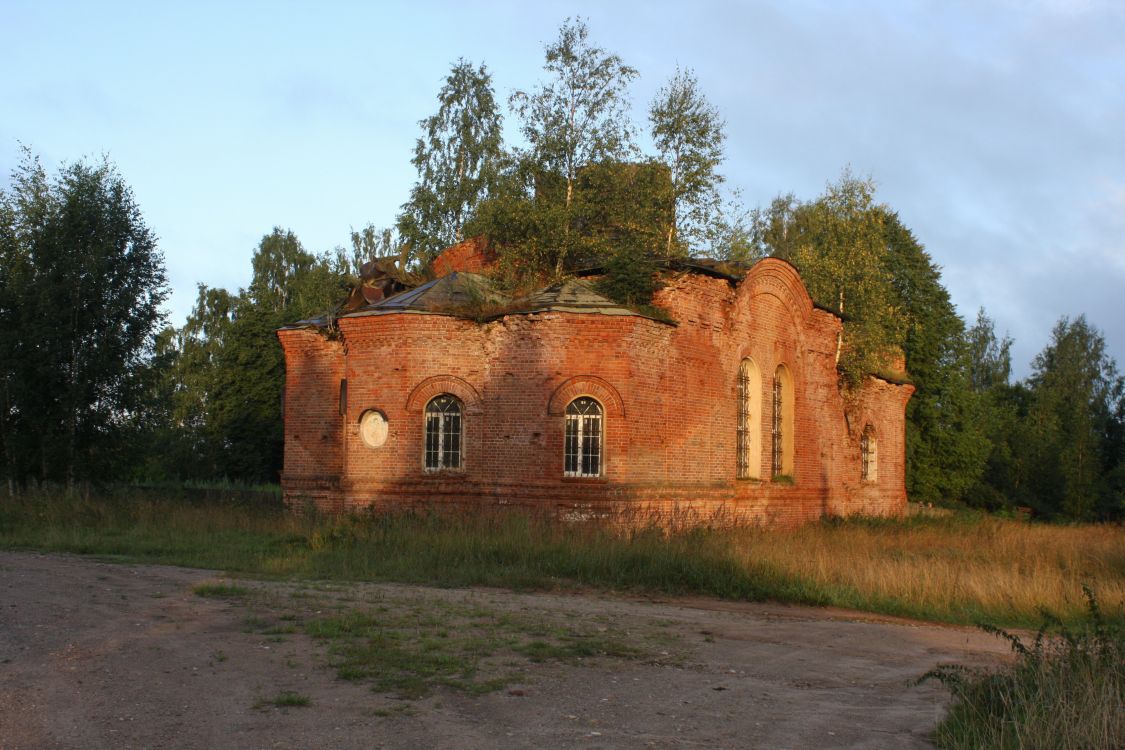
(964, 568)
(1066, 689)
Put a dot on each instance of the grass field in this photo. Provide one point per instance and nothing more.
(962, 568)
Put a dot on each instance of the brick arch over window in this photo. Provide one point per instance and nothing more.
(439, 384)
(586, 385)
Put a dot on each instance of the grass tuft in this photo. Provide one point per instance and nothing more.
(285, 699)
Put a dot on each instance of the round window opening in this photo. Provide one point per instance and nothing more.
(373, 428)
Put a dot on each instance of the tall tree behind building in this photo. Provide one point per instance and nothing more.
(229, 370)
(856, 255)
(946, 430)
(578, 117)
(688, 133)
(839, 244)
(458, 158)
(80, 302)
(991, 357)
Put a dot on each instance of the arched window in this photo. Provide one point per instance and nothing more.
(443, 433)
(749, 420)
(582, 448)
(868, 455)
(782, 422)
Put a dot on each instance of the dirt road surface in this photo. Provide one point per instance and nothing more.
(102, 655)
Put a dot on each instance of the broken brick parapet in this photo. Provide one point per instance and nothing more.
(472, 255)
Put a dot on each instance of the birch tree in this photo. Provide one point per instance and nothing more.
(579, 116)
(457, 158)
(689, 134)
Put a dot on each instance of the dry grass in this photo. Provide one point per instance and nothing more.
(961, 568)
(968, 567)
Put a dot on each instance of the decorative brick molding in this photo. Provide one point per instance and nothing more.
(586, 385)
(780, 278)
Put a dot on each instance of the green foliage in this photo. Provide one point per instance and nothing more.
(227, 371)
(1001, 485)
(1065, 689)
(946, 440)
(81, 288)
(688, 133)
(1076, 400)
(1057, 438)
(615, 208)
(991, 358)
(410, 647)
(285, 699)
(577, 118)
(732, 233)
(630, 277)
(579, 197)
(580, 115)
(839, 244)
(458, 159)
(856, 256)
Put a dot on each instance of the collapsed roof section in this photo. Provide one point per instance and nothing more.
(457, 292)
(463, 291)
(471, 295)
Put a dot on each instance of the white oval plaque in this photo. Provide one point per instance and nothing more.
(373, 428)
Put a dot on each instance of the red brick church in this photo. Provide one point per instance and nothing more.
(450, 392)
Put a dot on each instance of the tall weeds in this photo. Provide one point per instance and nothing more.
(1066, 689)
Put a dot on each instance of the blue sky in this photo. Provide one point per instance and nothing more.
(995, 129)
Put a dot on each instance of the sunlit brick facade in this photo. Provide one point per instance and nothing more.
(693, 417)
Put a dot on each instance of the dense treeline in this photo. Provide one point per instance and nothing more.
(81, 287)
(93, 387)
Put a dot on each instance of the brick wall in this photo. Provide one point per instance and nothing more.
(472, 255)
(669, 394)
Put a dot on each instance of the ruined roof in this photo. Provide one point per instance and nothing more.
(572, 295)
(456, 292)
(471, 295)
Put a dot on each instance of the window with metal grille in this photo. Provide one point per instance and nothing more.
(443, 433)
(749, 445)
(582, 451)
(778, 442)
(784, 408)
(868, 466)
(743, 422)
